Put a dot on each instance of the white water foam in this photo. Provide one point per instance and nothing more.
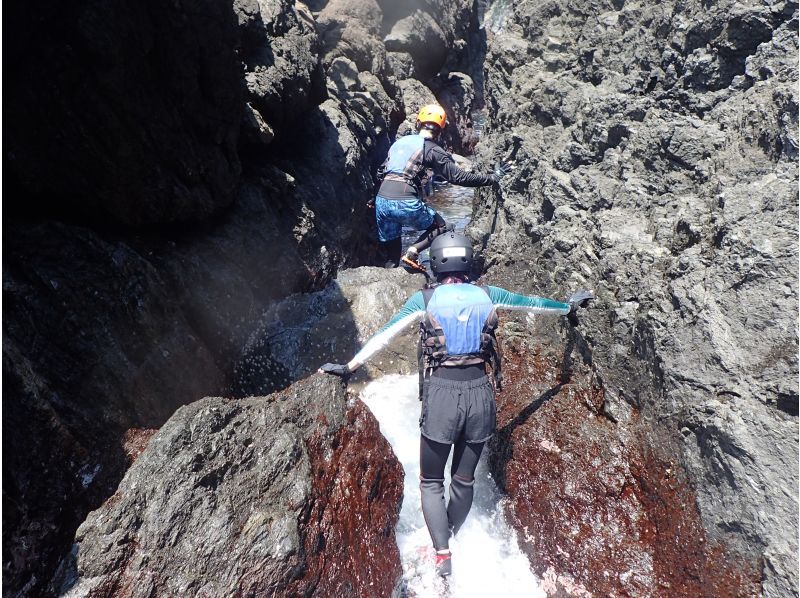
(487, 560)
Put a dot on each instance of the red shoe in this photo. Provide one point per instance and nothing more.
(444, 564)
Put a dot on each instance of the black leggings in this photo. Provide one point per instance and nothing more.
(444, 521)
(433, 457)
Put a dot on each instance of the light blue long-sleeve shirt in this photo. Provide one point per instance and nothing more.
(414, 309)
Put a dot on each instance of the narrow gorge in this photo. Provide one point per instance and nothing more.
(187, 239)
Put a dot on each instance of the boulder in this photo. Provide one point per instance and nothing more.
(351, 28)
(292, 494)
(350, 39)
(299, 334)
(420, 36)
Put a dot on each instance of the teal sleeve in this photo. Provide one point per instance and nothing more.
(412, 310)
(504, 299)
(412, 307)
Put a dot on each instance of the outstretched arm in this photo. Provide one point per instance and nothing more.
(504, 299)
(412, 311)
(443, 164)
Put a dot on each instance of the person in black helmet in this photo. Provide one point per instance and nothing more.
(458, 349)
(399, 199)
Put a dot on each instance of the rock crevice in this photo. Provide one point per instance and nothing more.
(171, 174)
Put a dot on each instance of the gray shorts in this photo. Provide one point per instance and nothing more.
(451, 407)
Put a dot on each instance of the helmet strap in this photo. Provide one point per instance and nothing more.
(429, 130)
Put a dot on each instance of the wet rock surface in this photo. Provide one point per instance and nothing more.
(600, 508)
(296, 493)
(304, 331)
(656, 152)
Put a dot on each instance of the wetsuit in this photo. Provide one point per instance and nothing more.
(399, 199)
(458, 406)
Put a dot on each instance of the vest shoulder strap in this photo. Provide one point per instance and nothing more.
(427, 294)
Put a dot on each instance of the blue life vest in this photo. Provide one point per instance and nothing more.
(458, 328)
(404, 162)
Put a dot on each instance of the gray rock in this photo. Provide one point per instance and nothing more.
(237, 497)
(401, 65)
(344, 36)
(415, 96)
(456, 93)
(256, 130)
(420, 36)
(299, 334)
(279, 50)
(664, 176)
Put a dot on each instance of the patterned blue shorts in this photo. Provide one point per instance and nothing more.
(392, 214)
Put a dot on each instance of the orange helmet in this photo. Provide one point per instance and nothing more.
(432, 114)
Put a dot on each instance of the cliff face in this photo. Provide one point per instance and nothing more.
(171, 173)
(656, 151)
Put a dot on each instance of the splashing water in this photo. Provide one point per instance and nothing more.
(487, 560)
(495, 14)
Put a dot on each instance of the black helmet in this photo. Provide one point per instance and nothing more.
(449, 253)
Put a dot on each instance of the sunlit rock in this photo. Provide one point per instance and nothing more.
(656, 153)
(292, 494)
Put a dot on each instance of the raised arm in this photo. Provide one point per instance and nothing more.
(412, 311)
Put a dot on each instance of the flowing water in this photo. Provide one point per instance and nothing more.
(487, 560)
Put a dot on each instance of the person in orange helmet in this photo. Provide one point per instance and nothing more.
(400, 198)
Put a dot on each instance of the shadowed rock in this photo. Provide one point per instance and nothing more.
(122, 113)
(280, 54)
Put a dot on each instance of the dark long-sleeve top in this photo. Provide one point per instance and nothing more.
(442, 163)
(414, 310)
